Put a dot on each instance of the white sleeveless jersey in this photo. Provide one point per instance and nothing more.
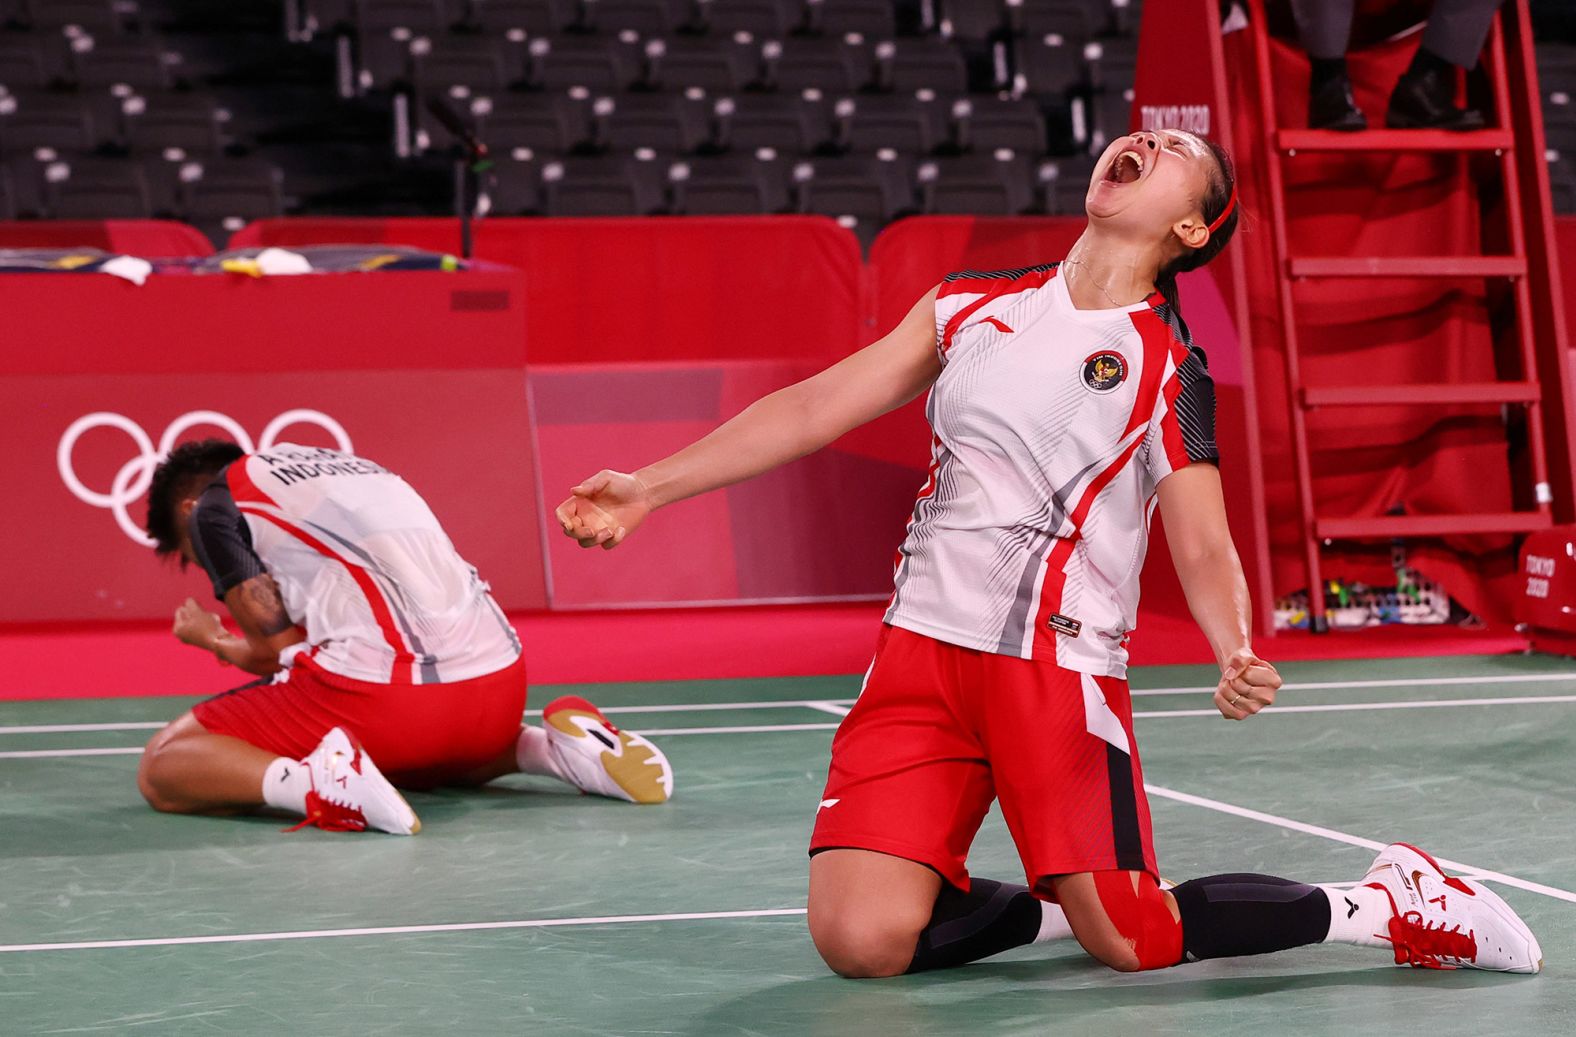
(362, 564)
(1053, 427)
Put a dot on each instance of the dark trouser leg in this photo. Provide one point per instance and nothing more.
(1457, 29)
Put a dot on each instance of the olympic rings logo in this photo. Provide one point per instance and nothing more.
(134, 477)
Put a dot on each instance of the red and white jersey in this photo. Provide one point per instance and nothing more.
(1053, 427)
(362, 564)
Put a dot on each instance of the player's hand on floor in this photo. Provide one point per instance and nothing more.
(196, 626)
(604, 510)
(1247, 685)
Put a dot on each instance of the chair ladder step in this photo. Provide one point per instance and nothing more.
(1407, 266)
(1494, 393)
(1390, 141)
(1384, 527)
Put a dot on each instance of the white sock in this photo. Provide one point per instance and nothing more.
(285, 785)
(1357, 915)
(1053, 923)
(531, 754)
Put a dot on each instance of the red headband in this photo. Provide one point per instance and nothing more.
(1231, 203)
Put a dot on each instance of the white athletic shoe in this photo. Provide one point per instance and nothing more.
(597, 757)
(1445, 922)
(350, 794)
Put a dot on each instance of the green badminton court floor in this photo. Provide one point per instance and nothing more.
(526, 909)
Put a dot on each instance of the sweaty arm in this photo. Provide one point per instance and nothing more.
(782, 427)
(223, 546)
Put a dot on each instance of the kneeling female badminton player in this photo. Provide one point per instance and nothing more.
(375, 640)
(1064, 399)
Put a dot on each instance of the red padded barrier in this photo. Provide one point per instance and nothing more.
(629, 290)
(405, 365)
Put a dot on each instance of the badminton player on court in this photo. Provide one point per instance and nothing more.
(380, 648)
(1064, 400)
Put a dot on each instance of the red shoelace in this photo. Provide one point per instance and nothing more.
(331, 816)
(1422, 945)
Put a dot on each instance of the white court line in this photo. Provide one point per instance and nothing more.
(1353, 707)
(48, 754)
(1352, 840)
(819, 704)
(832, 707)
(1399, 682)
(395, 930)
(683, 707)
(828, 707)
(757, 730)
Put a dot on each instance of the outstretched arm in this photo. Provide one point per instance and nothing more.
(1194, 510)
(782, 427)
(266, 628)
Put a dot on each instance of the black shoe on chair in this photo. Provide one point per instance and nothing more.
(1425, 98)
(1332, 107)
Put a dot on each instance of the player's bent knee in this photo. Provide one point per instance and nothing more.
(857, 950)
(154, 757)
(1148, 932)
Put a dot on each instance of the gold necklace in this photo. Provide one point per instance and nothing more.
(1097, 284)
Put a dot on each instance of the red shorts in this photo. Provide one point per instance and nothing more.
(939, 731)
(420, 735)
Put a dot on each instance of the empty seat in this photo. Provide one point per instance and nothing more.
(8, 210)
(34, 119)
(645, 18)
(985, 124)
(920, 64)
(513, 186)
(1562, 185)
(1559, 105)
(325, 16)
(1110, 116)
(603, 186)
(462, 66)
(834, 66)
(783, 122)
(163, 123)
(542, 123)
(221, 195)
(711, 65)
(1069, 19)
(24, 176)
(97, 189)
(1113, 63)
(666, 123)
(1063, 185)
(985, 185)
(595, 64)
(869, 124)
(1047, 65)
(761, 19)
(719, 185)
(875, 19)
(972, 21)
(382, 17)
(23, 62)
(867, 190)
(533, 17)
(1126, 16)
(103, 17)
(122, 64)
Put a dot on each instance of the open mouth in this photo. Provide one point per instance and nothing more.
(1125, 168)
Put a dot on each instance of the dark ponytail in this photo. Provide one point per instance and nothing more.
(1216, 197)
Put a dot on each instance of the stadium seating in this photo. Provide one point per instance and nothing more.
(864, 110)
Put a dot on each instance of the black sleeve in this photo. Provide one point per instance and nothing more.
(221, 540)
(1195, 408)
